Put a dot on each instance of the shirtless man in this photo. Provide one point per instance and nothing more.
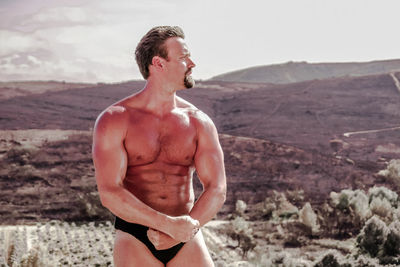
(146, 148)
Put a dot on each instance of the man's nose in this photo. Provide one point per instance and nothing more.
(191, 63)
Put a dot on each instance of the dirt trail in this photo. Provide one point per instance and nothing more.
(396, 81)
(371, 131)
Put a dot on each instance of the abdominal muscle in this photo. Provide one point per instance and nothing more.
(168, 190)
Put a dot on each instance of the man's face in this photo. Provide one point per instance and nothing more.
(179, 63)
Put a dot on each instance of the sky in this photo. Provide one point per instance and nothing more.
(94, 40)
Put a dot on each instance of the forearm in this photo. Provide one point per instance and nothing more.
(206, 207)
(128, 207)
(208, 204)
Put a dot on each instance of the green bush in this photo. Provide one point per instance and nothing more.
(391, 245)
(392, 171)
(348, 210)
(382, 192)
(381, 242)
(372, 237)
(240, 230)
(329, 260)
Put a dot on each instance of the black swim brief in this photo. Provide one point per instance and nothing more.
(140, 232)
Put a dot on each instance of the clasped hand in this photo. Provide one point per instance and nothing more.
(183, 229)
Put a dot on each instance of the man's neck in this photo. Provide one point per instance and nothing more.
(159, 98)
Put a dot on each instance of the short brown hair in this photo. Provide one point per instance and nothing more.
(152, 44)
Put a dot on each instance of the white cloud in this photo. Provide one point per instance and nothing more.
(61, 14)
(13, 42)
(27, 67)
(57, 17)
(33, 60)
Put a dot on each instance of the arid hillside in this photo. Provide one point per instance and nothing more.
(48, 174)
(308, 115)
(22, 88)
(305, 139)
(291, 72)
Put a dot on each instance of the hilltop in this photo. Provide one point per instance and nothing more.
(291, 72)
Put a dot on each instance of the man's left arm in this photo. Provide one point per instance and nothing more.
(209, 163)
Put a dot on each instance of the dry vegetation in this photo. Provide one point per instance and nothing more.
(56, 244)
(281, 230)
(354, 228)
(287, 236)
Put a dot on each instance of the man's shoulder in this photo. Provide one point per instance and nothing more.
(113, 116)
(193, 111)
(182, 103)
(114, 111)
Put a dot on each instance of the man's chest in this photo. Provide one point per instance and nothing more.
(171, 139)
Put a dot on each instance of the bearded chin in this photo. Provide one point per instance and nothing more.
(188, 82)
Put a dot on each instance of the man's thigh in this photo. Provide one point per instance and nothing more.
(194, 253)
(130, 252)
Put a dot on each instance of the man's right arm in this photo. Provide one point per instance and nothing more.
(110, 161)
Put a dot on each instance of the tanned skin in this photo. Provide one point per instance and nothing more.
(156, 140)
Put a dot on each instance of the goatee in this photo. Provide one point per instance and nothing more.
(188, 81)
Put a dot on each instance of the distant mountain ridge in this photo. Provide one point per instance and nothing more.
(292, 72)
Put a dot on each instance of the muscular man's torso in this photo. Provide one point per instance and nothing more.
(160, 154)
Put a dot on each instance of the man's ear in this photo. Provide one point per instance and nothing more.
(158, 62)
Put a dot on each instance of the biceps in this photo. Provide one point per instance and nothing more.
(210, 167)
(110, 165)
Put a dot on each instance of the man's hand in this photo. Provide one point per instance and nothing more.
(161, 240)
(183, 228)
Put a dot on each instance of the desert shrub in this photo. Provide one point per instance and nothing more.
(392, 171)
(330, 260)
(380, 241)
(276, 206)
(372, 237)
(381, 207)
(346, 213)
(308, 217)
(355, 202)
(383, 202)
(282, 208)
(240, 207)
(240, 230)
(382, 192)
(391, 245)
(348, 210)
(267, 208)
